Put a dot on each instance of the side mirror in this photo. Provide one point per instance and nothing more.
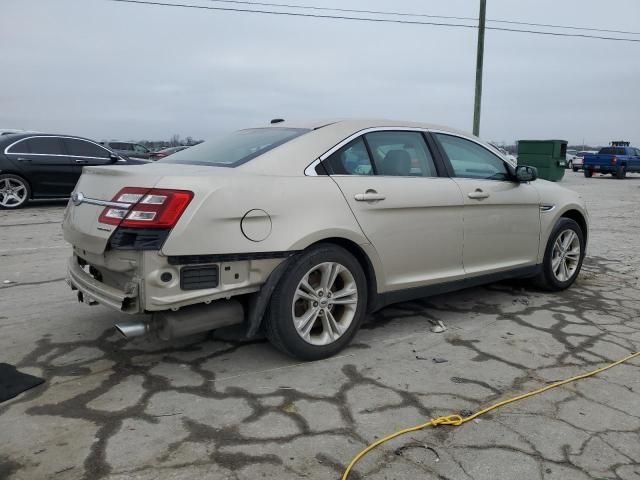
(114, 158)
(526, 174)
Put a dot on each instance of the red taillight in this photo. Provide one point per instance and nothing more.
(614, 160)
(147, 208)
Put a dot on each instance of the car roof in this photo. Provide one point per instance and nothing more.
(286, 159)
(360, 124)
(5, 139)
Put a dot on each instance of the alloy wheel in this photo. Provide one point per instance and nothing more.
(324, 303)
(565, 257)
(13, 192)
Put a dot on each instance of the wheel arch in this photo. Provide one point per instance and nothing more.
(364, 261)
(580, 219)
(257, 303)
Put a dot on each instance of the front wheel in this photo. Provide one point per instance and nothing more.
(14, 191)
(319, 304)
(563, 256)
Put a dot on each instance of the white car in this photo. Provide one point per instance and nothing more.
(300, 230)
(577, 161)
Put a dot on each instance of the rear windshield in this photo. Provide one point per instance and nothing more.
(612, 151)
(235, 149)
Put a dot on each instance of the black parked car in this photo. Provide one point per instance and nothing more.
(38, 165)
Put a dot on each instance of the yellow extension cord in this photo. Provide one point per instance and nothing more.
(456, 420)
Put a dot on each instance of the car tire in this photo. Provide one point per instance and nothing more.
(302, 319)
(588, 173)
(575, 169)
(563, 256)
(621, 172)
(14, 191)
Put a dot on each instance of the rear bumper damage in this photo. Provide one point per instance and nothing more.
(146, 282)
(91, 290)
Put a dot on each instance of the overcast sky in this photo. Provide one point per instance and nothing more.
(110, 70)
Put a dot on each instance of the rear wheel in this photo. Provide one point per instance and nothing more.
(563, 256)
(318, 306)
(621, 172)
(588, 173)
(14, 191)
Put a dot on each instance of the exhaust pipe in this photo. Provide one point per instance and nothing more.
(133, 329)
(186, 321)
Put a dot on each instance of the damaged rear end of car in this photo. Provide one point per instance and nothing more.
(119, 222)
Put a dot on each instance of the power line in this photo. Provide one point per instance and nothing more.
(376, 20)
(347, 10)
(423, 15)
(569, 27)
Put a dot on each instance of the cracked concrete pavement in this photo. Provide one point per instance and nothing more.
(218, 408)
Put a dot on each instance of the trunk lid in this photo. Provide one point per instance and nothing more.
(80, 225)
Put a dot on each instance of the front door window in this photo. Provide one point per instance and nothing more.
(470, 160)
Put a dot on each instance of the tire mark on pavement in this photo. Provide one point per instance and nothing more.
(28, 224)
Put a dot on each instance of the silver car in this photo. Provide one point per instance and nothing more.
(300, 230)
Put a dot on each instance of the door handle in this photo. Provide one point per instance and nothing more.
(22, 159)
(478, 194)
(369, 196)
(81, 161)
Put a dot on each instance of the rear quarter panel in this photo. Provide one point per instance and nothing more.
(10, 166)
(302, 210)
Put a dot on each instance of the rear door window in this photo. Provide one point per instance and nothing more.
(46, 146)
(352, 159)
(401, 154)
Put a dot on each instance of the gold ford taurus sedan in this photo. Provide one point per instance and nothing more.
(300, 230)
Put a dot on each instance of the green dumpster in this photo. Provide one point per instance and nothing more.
(548, 156)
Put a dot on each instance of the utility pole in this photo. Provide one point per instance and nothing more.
(479, 60)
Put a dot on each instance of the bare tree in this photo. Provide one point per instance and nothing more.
(175, 140)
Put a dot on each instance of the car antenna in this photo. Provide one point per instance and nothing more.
(277, 120)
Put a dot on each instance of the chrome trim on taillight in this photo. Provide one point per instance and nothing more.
(78, 198)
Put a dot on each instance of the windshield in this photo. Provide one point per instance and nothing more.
(235, 149)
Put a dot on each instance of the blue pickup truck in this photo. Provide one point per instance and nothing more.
(616, 160)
